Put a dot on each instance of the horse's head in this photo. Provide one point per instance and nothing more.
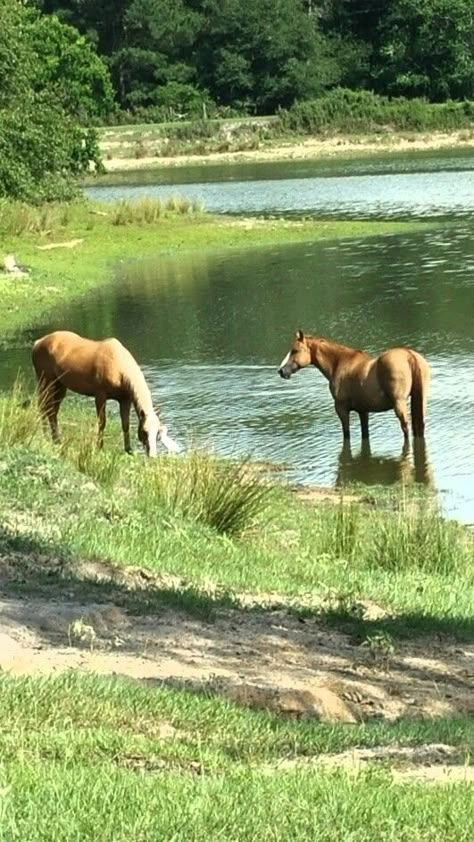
(148, 428)
(299, 356)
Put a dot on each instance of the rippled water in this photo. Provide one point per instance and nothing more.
(359, 189)
(211, 328)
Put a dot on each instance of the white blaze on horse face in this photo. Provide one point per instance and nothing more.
(286, 360)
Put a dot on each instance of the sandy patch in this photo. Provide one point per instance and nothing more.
(433, 763)
(260, 653)
(310, 149)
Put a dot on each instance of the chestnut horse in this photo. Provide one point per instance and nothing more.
(104, 370)
(363, 384)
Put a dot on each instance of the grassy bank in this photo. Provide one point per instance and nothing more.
(100, 236)
(110, 761)
(172, 516)
(115, 759)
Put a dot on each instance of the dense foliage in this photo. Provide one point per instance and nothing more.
(67, 65)
(52, 84)
(343, 110)
(189, 56)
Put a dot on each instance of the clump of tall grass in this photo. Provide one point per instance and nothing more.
(340, 531)
(20, 420)
(80, 449)
(178, 204)
(224, 495)
(19, 218)
(150, 209)
(417, 537)
(147, 210)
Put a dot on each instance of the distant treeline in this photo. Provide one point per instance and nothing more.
(195, 58)
(67, 66)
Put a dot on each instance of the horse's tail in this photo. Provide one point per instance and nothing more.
(420, 374)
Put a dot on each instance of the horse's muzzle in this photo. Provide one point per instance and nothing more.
(285, 373)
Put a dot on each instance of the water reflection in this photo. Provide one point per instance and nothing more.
(412, 466)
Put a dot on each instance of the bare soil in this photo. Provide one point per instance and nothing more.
(260, 652)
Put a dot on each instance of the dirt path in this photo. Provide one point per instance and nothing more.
(260, 655)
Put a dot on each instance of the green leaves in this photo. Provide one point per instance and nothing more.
(51, 85)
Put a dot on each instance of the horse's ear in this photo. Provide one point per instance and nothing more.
(300, 335)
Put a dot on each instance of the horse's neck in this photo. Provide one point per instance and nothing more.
(139, 392)
(326, 356)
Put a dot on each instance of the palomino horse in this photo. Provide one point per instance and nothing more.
(363, 384)
(103, 370)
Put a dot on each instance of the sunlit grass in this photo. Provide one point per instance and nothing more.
(20, 420)
(19, 218)
(79, 448)
(83, 753)
(149, 210)
(222, 494)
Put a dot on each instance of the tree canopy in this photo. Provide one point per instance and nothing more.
(69, 64)
(174, 55)
(52, 85)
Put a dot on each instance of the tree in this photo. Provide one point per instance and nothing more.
(262, 54)
(157, 51)
(66, 64)
(45, 87)
(426, 47)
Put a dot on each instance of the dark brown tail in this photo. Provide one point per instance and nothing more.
(418, 397)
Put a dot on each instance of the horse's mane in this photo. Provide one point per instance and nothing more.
(134, 380)
(336, 345)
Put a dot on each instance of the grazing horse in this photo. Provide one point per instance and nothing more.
(104, 370)
(363, 384)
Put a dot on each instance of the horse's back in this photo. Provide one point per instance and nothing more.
(83, 365)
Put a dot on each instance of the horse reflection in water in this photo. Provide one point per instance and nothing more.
(384, 470)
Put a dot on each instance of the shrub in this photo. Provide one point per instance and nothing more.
(344, 110)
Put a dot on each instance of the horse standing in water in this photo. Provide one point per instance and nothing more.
(103, 370)
(363, 384)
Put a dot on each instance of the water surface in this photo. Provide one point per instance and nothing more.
(210, 329)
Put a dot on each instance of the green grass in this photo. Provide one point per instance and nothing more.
(177, 515)
(87, 757)
(224, 495)
(146, 228)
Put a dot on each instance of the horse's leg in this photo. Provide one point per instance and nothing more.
(125, 405)
(56, 395)
(100, 402)
(364, 424)
(44, 393)
(343, 414)
(401, 411)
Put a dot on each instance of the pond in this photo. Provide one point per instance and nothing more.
(210, 329)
